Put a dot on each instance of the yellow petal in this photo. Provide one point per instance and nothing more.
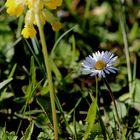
(10, 3)
(13, 8)
(28, 31)
(56, 26)
(53, 4)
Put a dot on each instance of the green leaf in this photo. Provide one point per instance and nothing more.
(4, 94)
(33, 71)
(47, 135)
(60, 38)
(11, 136)
(134, 31)
(4, 135)
(5, 82)
(33, 85)
(44, 90)
(35, 50)
(56, 70)
(122, 111)
(45, 106)
(137, 91)
(12, 71)
(136, 135)
(28, 132)
(91, 116)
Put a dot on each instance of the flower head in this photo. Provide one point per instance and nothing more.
(53, 4)
(33, 8)
(56, 26)
(14, 7)
(100, 63)
(28, 31)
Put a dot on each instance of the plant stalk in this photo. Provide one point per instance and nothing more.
(49, 74)
(113, 100)
(126, 48)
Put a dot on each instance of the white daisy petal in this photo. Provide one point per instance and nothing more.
(114, 68)
(86, 64)
(111, 70)
(103, 74)
(99, 74)
(93, 74)
(86, 71)
(114, 59)
(107, 71)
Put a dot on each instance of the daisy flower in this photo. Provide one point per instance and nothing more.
(99, 64)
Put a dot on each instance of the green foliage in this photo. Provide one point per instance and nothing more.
(4, 135)
(87, 26)
(136, 92)
(4, 94)
(90, 119)
(28, 132)
(4, 83)
(46, 134)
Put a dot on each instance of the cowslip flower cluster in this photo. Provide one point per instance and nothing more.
(41, 7)
(99, 64)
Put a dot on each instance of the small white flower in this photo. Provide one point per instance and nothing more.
(100, 63)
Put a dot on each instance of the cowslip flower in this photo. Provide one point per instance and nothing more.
(56, 26)
(34, 7)
(53, 4)
(28, 31)
(48, 16)
(99, 64)
(15, 7)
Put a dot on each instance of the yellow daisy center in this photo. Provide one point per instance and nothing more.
(100, 65)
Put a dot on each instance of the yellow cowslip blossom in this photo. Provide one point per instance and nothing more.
(53, 4)
(56, 26)
(28, 31)
(15, 7)
(30, 4)
(42, 17)
(34, 7)
(48, 16)
(29, 17)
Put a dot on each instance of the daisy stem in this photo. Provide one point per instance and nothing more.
(49, 74)
(96, 78)
(113, 99)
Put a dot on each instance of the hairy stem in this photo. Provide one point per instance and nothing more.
(49, 74)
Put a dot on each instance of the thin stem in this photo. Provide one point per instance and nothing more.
(20, 123)
(98, 112)
(74, 124)
(125, 40)
(87, 7)
(96, 79)
(96, 98)
(49, 74)
(113, 99)
(104, 131)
